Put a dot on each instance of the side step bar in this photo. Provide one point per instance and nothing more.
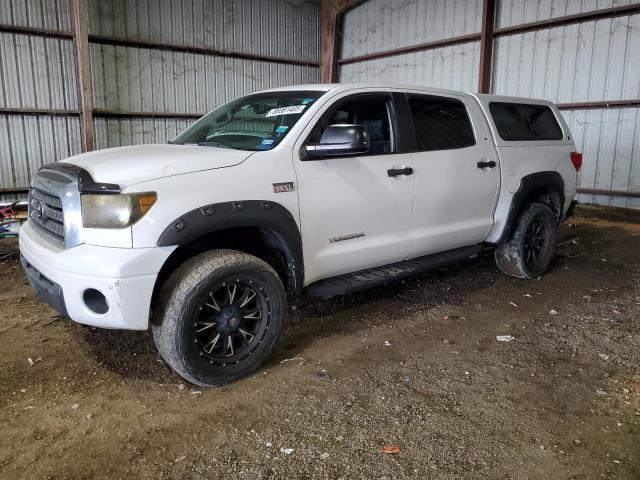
(352, 282)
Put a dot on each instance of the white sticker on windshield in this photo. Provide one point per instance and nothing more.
(286, 110)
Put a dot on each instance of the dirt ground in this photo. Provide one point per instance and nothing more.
(414, 365)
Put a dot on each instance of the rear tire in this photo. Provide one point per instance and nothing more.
(529, 251)
(219, 317)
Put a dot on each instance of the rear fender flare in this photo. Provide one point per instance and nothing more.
(529, 184)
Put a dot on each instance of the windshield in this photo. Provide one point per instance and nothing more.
(254, 122)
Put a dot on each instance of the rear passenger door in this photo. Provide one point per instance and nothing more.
(457, 174)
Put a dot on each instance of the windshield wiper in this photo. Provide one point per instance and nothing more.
(212, 144)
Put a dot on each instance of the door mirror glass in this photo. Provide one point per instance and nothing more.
(338, 141)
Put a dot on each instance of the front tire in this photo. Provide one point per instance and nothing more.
(219, 317)
(529, 251)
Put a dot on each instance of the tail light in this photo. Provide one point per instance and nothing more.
(576, 159)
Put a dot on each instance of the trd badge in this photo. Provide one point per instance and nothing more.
(284, 187)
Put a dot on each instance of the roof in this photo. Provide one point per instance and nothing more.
(343, 87)
(339, 87)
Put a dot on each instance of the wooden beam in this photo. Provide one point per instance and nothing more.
(113, 114)
(600, 105)
(151, 44)
(331, 12)
(608, 193)
(601, 14)
(79, 19)
(328, 42)
(38, 111)
(486, 45)
(38, 32)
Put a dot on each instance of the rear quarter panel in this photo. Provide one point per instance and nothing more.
(521, 158)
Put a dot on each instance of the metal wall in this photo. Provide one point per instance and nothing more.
(590, 61)
(379, 25)
(134, 79)
(37, 72)
(453, 67)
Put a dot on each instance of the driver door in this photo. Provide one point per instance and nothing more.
(356, 210)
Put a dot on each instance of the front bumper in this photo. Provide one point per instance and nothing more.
(125, 276)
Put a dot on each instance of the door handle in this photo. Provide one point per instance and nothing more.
(489, 164)
(394, 172)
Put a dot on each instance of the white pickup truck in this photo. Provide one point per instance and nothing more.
(317, 190)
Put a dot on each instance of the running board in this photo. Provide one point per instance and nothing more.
(352, 282)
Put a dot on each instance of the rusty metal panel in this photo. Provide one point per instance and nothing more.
(30, 141)
(454, 67)
(47, 14)
(516, 12)
(378, 25)
(610, 145)
(264, 27)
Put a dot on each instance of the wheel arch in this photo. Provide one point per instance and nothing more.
(262, 228)
(545, 187)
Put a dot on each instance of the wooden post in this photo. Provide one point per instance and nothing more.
(330, 15)
(328, 42)
(79, 20)
(486, 45)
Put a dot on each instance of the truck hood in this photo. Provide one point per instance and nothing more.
(126, 166)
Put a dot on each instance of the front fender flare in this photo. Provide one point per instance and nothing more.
(244, 213)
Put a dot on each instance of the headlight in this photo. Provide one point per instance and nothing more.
(115, 211)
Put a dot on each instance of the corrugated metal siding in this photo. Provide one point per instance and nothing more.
(266, 27)
(28, 142)
(129, 79)
(516, 12)
(35, 72)
(117, 132)
(591, 61)
(379, 25)
(610, 144)
(582, 62)
(453, 67)
(138, 79)
(48, 14)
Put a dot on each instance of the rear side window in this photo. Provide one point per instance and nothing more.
(521, 122)
(440, 123)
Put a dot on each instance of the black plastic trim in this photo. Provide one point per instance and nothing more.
(243, 213)
(405, 137)
(49, 291)
(86, 184)
(528, 185)
(371, 277)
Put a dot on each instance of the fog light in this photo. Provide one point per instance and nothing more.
(95, 301)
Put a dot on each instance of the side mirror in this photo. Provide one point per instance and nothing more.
(339, 141)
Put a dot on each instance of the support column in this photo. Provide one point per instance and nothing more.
(486, 45)
(330, 15)
(80, 30)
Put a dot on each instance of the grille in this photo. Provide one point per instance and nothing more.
(45, 211)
